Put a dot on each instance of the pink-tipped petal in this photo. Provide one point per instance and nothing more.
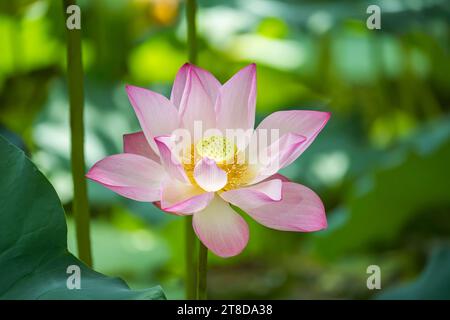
(209, 82)
(286, 149)
(278, 177)
(137, 143)
(300, 122)
(179, 84)
(221, 229)
(196, 104)
(183, 198)
(130, 175)
(209, 176)
(300, 209)
(278, 155)
(169, 159)
(254, 196)
(156, 114)
(236, 102)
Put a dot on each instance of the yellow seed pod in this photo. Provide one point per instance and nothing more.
(217, 148)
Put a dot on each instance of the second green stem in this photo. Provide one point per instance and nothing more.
(202, 271)
(76, 100)
(191, 266)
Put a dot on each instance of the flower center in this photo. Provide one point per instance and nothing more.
(224, 153)
(217, 148)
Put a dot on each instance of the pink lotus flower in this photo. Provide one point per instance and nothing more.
(150, 170)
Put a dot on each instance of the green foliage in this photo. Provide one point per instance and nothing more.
(381, 204)
(433, 282)
(33, 244)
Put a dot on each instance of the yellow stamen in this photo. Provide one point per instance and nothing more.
(224, 153)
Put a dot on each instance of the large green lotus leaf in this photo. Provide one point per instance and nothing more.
(433, 283)
(33, 240)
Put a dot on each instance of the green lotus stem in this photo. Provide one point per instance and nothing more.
(202, 270)
(76, 99)
(191, 8)
(191, 239)
(191, 272)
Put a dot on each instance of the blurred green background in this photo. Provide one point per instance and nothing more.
(380, 165)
